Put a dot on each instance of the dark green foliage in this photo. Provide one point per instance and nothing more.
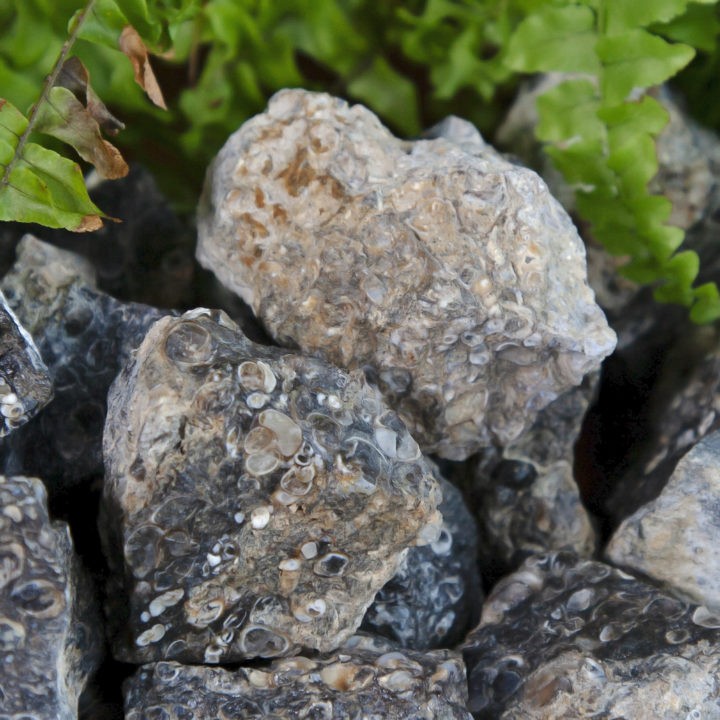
(412, 62)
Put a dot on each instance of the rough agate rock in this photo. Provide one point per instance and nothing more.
(567, 638)
(50, 635)
(25, 386)
(84, 337)
(367, 678)
(255, 500)
(447, 273)
(674, 539)
(435, 595)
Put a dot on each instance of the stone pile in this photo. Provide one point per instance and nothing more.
(275, 541)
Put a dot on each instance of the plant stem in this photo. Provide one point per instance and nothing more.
(47, 87)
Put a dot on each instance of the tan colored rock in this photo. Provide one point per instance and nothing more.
(447, 273)
(674, 538)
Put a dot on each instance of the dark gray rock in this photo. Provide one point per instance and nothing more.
(84, 337)
(50, 634)
(525, 495)
(674, 538)
(255, 500)
(25, 385)
(567, 638)
(435, 596)
(367, 678)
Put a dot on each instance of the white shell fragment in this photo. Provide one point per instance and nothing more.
(450, 275)
(249, 532)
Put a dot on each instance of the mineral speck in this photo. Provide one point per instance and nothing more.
(567, 638)
(50, 635)
(452, 276)
(239, 530)
(367, 678)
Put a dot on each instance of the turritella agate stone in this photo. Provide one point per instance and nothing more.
(451, 276)
(255, 500)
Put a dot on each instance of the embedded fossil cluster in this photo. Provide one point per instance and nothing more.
(252, 497)
(450, 275)
(562, 635)
(434, 596)
(50, 632)
(366, 678)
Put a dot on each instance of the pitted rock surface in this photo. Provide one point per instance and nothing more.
(453, 277)
(525, 495)
(84, 337)
(525, 509)
(567, 638)
(674, 538)
(367, 678)
(25, 386)
(436, 593)
(50, 635)
(255, 500)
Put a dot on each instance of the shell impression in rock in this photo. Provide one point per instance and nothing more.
(25, 386)
(674, 538)
(367, 678)
(50, 635)
(255, 500)
(450, 275)
(85, 337)
(567, 638)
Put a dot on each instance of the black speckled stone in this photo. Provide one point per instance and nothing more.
(568, 638)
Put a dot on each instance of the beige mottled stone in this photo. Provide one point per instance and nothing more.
(674, 538)
(450, 275)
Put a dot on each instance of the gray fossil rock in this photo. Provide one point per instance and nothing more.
(51, 639)
(367, 678)
(567, 638)
(25, 386)
(255, 500)
(435, 595)
(525, 495)
(450, 275)
(674, 538)
(84, 337)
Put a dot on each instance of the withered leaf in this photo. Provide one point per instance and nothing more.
(76, 78)
(63, 116)
(132, 45)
